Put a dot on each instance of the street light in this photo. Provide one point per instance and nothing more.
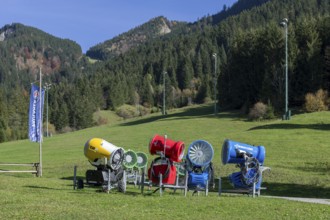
(47, 87)
(215, 83)
(287, 113)
(164, 111)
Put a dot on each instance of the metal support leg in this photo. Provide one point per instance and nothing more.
(160, 184)
(219, 187)
(109, 184)
(136, 178)
(142, 181)
(74, 177)
(186, 184)
(207, 188)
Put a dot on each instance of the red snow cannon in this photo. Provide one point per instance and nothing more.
(173, 150)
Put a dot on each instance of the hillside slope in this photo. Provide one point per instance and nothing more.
(156, 27)
(25, 49)
(298, 169)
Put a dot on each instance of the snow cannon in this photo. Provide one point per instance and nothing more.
(174, 150)
(97, 150)
(233, 152)
(200, 171)
(142, 160)
(248, 158)
(162, 166)
(130, 159)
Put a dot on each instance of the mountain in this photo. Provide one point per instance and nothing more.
(156, 27)
(24, 49)
(238, 60)
(160, 26)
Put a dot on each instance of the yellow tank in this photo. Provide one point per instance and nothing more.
(97, 150)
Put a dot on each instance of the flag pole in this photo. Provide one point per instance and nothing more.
(40, 121)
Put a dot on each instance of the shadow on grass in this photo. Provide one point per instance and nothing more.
(71, 178)
(206, 111)
(317, 167)
(283, 189)
(324, 127)
(42, 187)
(296, 190)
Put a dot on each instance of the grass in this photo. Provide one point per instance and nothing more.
(296, 150)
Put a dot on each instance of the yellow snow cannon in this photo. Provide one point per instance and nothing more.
(101, 153)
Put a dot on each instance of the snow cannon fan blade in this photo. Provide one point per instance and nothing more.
(200, 153)
(97, 150)
(130, 159)
(142, 160)
(233, 152)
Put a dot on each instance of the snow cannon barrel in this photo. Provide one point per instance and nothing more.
(97, 149)
(173, 150)
(233, 152)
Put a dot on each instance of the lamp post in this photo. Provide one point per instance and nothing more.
(164, 111)
(215, 83)
(47, 87)
(287, 113)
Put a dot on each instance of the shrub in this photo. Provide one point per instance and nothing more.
(129, 111)
(125, 112)
(66, 129)
(102, 121)
(51, 129)
(269, 112)
(316, 102)
(258, 111)
(144, 111)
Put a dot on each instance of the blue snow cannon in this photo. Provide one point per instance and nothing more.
(200, 170)
(248, 158)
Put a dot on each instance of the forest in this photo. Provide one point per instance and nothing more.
(248, 68)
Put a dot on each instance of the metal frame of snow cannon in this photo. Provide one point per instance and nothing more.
(200, 170)
(164, 157)
(162, 186)
(250, 161)
(136, 174)
(129, 163)
(104, 176)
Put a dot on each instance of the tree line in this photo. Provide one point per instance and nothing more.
(248, 68)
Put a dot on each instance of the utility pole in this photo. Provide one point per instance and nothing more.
(215, 83)
(287, 113)
(164, 107)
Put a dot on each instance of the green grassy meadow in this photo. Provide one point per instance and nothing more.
(297, 152)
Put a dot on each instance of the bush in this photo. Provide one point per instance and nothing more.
(144, 111)
(258, 111)
(269, 112)
(316, 102)
(51, 129)
(129, 111)
(126, 112)
(102, 121)
(66, 129)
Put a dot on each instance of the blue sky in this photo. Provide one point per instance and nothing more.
(89, 22)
